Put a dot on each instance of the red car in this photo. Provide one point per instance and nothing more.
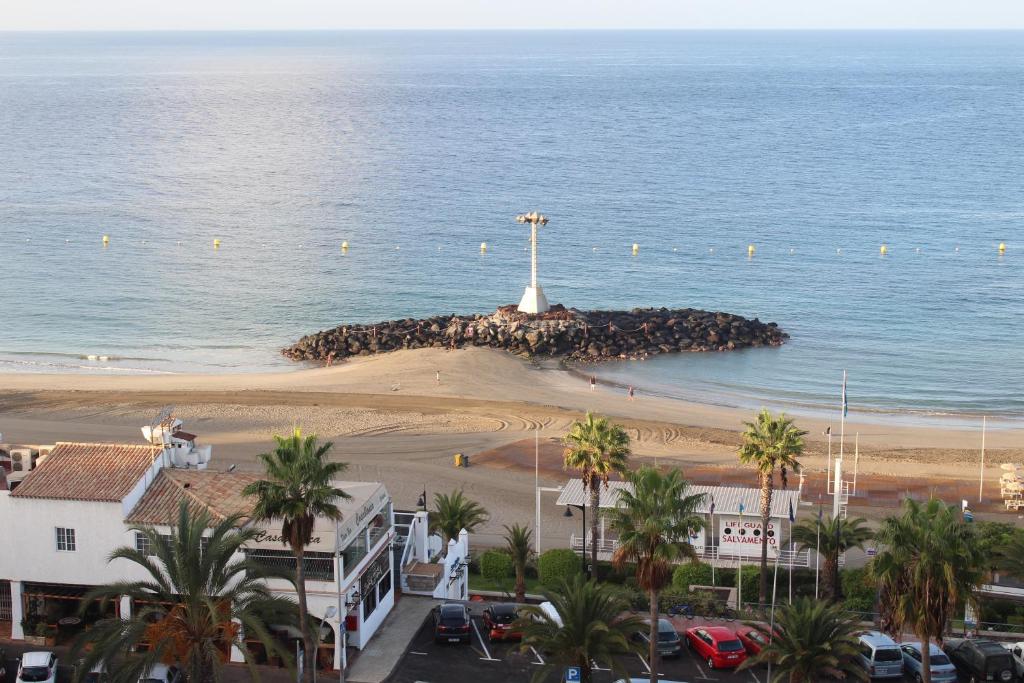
(717, 645)
(753, 639)
(499, 620)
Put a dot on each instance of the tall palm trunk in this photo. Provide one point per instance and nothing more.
(595, 499)
(309, 653)
(652, 655)
(586, 675)
(926, 658)
(766, 514)
(520, 583)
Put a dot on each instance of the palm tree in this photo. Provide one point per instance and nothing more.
(770, 443)
(1009, 557)
(832, 536)
(598, 449)
(455, 512)
(654, 521)
(811, 639)
(930, 567)
(518, 544)
(592, 631)
(298, 489)
(197, 601)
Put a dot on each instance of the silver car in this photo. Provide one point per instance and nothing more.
(943, 670)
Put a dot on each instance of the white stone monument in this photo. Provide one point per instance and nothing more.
(533, 300)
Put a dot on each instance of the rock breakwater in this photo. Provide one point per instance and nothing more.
(563, 332)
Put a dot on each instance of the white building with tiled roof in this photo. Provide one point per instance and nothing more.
(67, 515)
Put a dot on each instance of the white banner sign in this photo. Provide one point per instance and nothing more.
(742, 536)
(696, 539)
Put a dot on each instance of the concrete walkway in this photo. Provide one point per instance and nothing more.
(388, 645)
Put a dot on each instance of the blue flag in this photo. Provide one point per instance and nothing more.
(741, 508)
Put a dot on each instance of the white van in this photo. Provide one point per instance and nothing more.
(549, 610)
(880, 655)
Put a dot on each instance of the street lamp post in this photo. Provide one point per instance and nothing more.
(533, 300)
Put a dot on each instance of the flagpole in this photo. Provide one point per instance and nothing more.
(856, 460)
(817, 551)
(981, 479)
(739, 570)
(838, 484)
(790, 562)
(714, 546)
(771, 627)
(828, 480)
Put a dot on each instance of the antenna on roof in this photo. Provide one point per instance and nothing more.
(164, 420)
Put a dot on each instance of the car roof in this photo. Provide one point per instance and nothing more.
(719, 632)
(989, 646)
(503, 608)
(452, 608)
(36, 658)
(934, 649)
(878, 639)
(159, 670)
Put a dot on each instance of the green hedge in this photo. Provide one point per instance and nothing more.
(557, 565)
(751, 579)
(690, 574)
(496, 565)
(859, 590)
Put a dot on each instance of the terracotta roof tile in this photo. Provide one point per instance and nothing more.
(218, 492)
(100, 472)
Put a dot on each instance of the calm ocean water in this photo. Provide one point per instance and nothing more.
(416, 147)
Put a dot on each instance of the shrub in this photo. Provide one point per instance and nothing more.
(690, 574)
(751, 577)
(557, 565)
(496, 566)
(859, 590)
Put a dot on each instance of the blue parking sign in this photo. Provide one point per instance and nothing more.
(573, 674)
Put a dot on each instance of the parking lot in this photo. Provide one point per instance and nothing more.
(502, 662)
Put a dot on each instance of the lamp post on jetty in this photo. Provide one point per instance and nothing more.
(533, 300)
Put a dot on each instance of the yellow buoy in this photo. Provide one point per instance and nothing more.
(344, 245)
(216, 244)
(883, 250)
(483, 247)
(1002, 247)
(750, 250)
(636, 248)
(106, 240)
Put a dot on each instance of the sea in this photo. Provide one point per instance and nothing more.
(815, 148)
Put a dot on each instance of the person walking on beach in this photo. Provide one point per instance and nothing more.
(593, 383)
(330, 359)
(437, 377)
(629, 393)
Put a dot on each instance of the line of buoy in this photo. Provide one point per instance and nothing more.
(216, 243)
(883, 250)
(636, 248)
(106, 240)
(483, 247)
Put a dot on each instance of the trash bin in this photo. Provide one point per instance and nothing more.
(465, 461)
(458, 459)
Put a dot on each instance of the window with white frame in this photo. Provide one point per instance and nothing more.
(65, 539)
(143, 544)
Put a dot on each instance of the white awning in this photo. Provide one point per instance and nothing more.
(727, 499)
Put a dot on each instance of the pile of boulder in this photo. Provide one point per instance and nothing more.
(563, 332)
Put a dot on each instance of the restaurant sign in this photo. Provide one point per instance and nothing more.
(374, 572)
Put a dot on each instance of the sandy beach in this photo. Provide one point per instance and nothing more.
(392, 420)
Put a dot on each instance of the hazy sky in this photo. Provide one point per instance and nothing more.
(340, 14)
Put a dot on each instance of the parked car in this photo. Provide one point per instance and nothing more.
(97, 674)
(37, 667)
(717, 645)
(942, 669)
(499, 620)
(551, 613)
(880, 656)
(1017, 653)
(161, 673)
(980, 660)
(753, 639)
(451, 624)
(669, 644)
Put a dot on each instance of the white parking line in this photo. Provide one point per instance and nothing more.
(754, 676)
(487, 652)
(540, 660)
(595, 667)
(413, 652)
(643, 661)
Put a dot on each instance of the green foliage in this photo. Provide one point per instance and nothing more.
(993, 537)
(454, 512)
(751, 574)
(859, 590)
(557, 565)
(496, 566)
(690, 574)
(195, 596)
(812, 637)
(593, 629)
